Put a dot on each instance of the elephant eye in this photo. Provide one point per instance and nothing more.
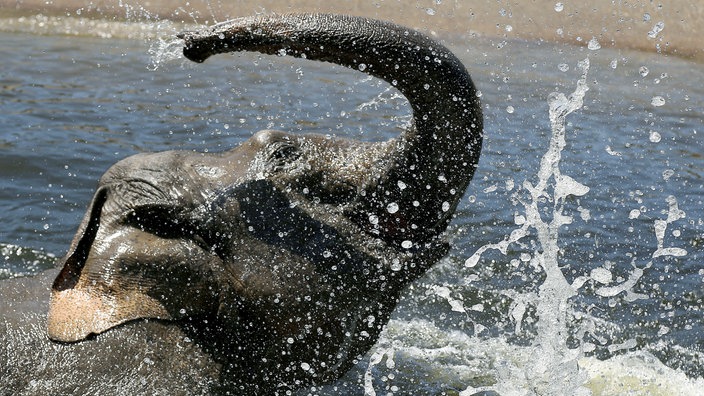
(158, 220)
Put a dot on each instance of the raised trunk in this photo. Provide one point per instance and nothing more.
(435, 159)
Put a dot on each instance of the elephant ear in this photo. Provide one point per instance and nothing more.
(77, 308)
(77, 254)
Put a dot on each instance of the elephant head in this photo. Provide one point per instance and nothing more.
(292, 247)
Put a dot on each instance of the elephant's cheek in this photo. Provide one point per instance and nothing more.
(74, 314)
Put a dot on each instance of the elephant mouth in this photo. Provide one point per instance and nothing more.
(76, 314)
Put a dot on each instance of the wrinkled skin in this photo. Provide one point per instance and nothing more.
(290, 250)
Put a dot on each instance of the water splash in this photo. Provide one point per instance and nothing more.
(80, 26)
(550, 367)
(553, 368)
(135, 23)
(674, 213)
(162, 51)
(375, 360)
(21, 261)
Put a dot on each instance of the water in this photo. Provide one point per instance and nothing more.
(627, 316)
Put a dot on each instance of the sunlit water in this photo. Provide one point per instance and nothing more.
(577, 260)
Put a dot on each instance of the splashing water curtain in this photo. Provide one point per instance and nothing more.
(553, 367)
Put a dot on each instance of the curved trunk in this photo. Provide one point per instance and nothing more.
(435, 159)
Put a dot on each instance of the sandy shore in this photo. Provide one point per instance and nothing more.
(674, 27)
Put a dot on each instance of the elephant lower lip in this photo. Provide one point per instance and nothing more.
(75, 314)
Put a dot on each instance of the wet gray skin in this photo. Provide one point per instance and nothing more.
(290, 250)
(146, 357)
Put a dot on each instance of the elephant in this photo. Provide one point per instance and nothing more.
(282, 258)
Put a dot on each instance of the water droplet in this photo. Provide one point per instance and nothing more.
(430, 11)
(373, 219)
(401, 185)
(593, 44)
(643, 71)
(667, 174)
(634, 214)
(406, 244)
(182, 311)
(490, 189)
(657, 101)
(563, 67)
(509, 109)
(362, 67)
(426, 86)
(445, 206)
(601, 275)
(646, 17)
(509, 28)
(305, 366)
(396, 265)
(614, 63)
(46, 226)
(629, 344)
(392, 207)
(584, 214)
(290, 340)
(656, 30)
(655, 137)
(472, 261)
(559, 7)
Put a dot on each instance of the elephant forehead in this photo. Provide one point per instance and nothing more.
(143, 162)
(174, 176)
(209, 171)
(161, 170)
(181, 193)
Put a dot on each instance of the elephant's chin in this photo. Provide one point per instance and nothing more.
(75, 314)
